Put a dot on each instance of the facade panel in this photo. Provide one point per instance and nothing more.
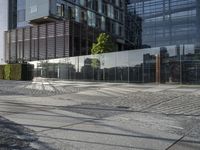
(49, 41)
(36, 9)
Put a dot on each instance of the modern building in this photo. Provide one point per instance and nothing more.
(31, 15)
(11, 16)
(56, 36)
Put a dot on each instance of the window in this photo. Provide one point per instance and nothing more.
(77, 14)
(70, 13)
(103, 23)
(83, 16)
(20, 15)
(98, 21)
(60, 9)
(110, 11)
(116, 14)
(91, 19)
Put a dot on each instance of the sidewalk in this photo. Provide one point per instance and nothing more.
(104, 116)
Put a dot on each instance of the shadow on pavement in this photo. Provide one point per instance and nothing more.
(14, 136)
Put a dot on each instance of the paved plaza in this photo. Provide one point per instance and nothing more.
(73, 115)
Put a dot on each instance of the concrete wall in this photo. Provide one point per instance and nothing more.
(36, 9)
(3, 27)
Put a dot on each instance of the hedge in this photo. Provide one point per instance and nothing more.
(1, 71)
(7, 72)
(16, 72)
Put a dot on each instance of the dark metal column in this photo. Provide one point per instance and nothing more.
(38, 48)
(22, 44)
(30, 37)
(46, 42)
(16, 42)
(64, 38)
(55, 40)
(9, 47)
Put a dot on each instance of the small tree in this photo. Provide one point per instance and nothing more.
(104, 44)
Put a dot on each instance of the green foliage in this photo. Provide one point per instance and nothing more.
(15, 71)
(104, 44)
(7, 72)
(1, 71)
(95, 63)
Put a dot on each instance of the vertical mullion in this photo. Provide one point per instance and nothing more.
(64, 47)
(46, 42)
(38, 46)
(16, 39)
(23, 44)
(30, 44)
(9, 46)
(55, 40)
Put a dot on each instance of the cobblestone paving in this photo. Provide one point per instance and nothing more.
(136, 98)
(37, 89)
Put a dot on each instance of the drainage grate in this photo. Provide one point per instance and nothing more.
(122, 107)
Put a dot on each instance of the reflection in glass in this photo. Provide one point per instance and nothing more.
(173, 64)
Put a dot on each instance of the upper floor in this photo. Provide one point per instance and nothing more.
(107, 15)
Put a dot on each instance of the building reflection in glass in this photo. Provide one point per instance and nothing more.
(168, 22)
(178, 64)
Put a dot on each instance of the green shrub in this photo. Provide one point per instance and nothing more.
(1, 71)
(7, 72)
(15, 71)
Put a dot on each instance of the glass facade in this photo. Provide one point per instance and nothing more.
(21, 15)
(17, 14)
(172, 64)
(105, 15)
(168, 22)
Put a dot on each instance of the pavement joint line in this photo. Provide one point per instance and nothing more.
(142, 111)
(69, 125)
(36, 109)
(120, 134)
(168, 148)
(184, 135)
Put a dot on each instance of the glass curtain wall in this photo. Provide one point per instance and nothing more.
(21, 15)
(168, 22)
(105, 15)
(172, 64)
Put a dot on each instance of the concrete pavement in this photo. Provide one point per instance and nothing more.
(71, 115)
